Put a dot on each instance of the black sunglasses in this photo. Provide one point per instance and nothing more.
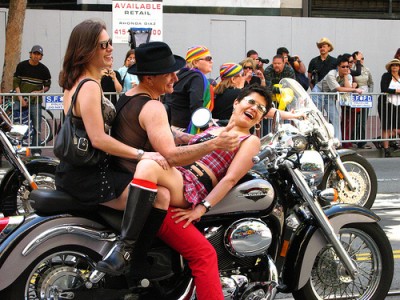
(248, 67)
(207, 58)
(104, 45)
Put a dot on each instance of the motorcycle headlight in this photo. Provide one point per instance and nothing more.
(312, 166)
(331, 130)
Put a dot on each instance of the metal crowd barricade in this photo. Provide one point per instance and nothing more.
(350, 119)
(50, 115)
(355, 117)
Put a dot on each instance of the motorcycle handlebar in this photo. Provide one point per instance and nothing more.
(267, 152)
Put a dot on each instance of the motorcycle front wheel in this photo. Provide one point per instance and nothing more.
(370, 251)
(363, 176)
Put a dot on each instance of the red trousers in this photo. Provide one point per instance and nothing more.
(198, 252)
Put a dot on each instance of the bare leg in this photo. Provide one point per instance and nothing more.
(171, 179)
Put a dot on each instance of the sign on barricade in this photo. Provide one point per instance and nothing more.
(54, 102)
(361, 101)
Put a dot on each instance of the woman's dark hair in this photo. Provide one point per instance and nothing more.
(355, 55)
(262, 91)
(81, 49)
(131, 51)
(397, 55)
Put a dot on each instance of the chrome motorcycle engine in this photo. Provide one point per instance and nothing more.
(247, 237)
(240, 247)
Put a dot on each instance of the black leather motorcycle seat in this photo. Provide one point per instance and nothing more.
(53, 202)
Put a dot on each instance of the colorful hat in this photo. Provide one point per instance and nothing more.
(196, 52)
(325, 40)
(394, 61)
(228, 70)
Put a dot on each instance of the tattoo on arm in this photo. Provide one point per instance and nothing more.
(181, 137)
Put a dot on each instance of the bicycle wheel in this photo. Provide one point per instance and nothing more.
(46, 132)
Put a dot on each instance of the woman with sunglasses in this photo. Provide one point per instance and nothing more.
(192, 90)
(89, 51)
(251, 74)
(227, 90)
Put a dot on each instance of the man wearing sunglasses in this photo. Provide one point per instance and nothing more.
(338, 80)
(192, 90)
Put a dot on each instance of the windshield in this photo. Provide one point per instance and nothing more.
(294, 96)
(298, 100)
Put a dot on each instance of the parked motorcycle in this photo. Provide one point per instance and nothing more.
(25, 174)
(345, 170)
(270, 234)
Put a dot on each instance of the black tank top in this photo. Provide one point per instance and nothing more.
(126, 128)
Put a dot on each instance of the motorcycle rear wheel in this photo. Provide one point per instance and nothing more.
(56, 273)
(363, 176)
(370, 250)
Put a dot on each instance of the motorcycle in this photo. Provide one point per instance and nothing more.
(346, 171)
(25, 174)
(270, 234)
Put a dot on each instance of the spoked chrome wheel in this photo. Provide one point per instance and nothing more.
(43, 181)
(363, 178)
(58, 275)
(370, 251)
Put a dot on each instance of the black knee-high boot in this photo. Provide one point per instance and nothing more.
(138, 207)
(140, 266)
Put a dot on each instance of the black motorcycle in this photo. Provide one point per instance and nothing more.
(270, 233)
(25, 175)
(345, 170)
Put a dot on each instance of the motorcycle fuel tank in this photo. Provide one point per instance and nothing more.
(253, 195)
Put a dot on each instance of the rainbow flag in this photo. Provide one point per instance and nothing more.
(208, 101)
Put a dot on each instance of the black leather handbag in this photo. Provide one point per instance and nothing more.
(72, 143)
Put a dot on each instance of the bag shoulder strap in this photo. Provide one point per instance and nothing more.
(75, 95)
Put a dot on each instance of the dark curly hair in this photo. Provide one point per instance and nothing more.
(262, 91)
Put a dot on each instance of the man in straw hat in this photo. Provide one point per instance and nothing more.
(142, 122)
(320, 66)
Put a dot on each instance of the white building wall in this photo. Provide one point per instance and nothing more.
(228, 37)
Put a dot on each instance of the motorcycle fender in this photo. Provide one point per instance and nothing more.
(11, 177)
(345, 152)
(36, 237)
(309, 240)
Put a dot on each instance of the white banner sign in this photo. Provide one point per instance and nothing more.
(137, 15)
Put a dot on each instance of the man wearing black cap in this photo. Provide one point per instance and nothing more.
(31, 76)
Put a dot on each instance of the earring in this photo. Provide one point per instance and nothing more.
(257, 126)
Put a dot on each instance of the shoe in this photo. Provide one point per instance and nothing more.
(388, 152)
(116, 261)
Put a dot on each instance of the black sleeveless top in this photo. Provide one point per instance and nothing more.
(126, 128)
